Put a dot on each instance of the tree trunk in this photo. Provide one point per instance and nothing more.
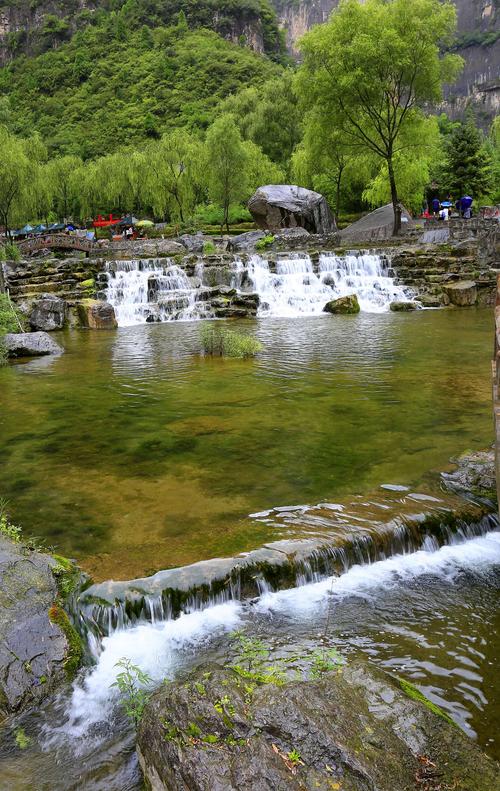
(394, 197)
(337, 197)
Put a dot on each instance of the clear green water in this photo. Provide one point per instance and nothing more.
(132, 453)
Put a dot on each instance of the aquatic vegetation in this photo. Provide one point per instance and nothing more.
(11, 320)
(414, 693)
(130, 683)
(217, 340)
(74, 650)
(7, 529)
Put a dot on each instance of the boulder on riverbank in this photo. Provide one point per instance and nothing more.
(39, 648)
(376, 226)
(96, 315)
(48, 313)
(461, 294)
(354, 729)
(348, 304)
(277, 206)
(30, 344)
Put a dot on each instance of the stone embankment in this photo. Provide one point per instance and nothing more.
(496, 385)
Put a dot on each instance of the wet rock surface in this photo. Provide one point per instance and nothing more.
(403, 307)
(33, 650)
(475, 474)
(353, 729)
(30, 344)
(277, 206)
(48, 313)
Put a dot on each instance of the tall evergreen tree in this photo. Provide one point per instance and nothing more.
(468, 166)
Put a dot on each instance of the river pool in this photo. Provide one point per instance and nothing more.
(133, 453)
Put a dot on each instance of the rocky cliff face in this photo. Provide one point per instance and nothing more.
(37, 26)
(478, 43)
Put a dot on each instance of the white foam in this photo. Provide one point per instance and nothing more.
(156, 648)
(365, 580)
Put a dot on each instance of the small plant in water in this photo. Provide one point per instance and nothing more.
(130, 682)
(220, 341)
(22, 740)
(323, 661)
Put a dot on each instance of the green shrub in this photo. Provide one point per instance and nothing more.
(219, 341)
(213, 215)
(11, 252)
(208, 248)
(11, 319)
(265, 242)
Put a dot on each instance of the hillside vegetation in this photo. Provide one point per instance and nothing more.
(110, 86)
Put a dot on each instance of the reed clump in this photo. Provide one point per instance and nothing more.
(220, 342)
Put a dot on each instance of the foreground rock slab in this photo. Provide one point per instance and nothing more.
(462, 294)
(30, 344)
(403, 307)
(354, 729)
(278, 206)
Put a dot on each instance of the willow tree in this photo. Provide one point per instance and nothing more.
(173, 174)
(372, 67)
(64, 189)
(19, 178)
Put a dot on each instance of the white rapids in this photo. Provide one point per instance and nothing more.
(159, 290)
(159, 648)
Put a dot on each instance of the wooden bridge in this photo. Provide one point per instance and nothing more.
(56, 241)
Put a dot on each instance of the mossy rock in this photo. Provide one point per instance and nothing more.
(343, 305)
(355, 728)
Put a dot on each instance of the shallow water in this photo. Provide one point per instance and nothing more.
(132, 453)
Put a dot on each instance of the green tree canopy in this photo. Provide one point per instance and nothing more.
(226, 162)
(370, 69)
(173, 174)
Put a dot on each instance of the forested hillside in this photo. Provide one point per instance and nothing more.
(113, 85)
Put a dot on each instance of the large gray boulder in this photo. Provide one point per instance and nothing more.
(48, 313)
(355, 729)
(278, 206)
(30, 344)
(39, 649)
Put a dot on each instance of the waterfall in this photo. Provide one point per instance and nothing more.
(153, 290)
(293, 285)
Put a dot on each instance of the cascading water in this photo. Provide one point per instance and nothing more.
(293, 285)
(153, 290)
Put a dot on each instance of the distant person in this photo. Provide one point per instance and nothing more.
(444, 214)
(435, 206)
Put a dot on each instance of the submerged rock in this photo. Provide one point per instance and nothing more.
(461, 294)
(355, 729)
(403, 307)
(30, 344)
(96, 315)
(347, 304)
(278, 206)
(39, 648)
(48, 313)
